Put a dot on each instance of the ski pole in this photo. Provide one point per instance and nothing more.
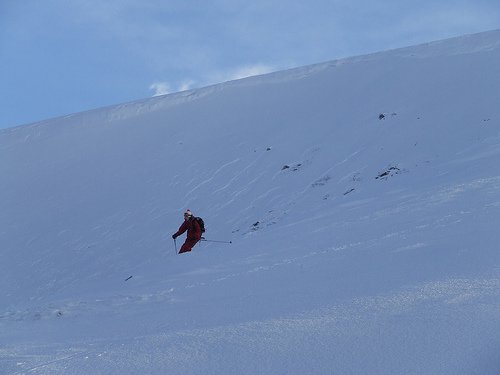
(203, 239)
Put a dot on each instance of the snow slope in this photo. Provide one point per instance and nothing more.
(359, 245)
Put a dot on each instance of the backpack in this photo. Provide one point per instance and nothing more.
(201, 223)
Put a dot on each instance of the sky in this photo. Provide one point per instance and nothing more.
(67, 56)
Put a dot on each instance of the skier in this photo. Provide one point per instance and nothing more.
(193, 232)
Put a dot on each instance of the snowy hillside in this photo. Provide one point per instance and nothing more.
(361, 197)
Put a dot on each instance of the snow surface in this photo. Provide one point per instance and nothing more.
(359, 245)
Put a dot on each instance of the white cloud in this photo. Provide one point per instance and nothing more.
(160, 88)
(186, 85)
(163, 88)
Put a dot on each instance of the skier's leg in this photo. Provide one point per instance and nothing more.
(187, 246)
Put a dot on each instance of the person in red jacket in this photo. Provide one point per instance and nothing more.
(193, 232)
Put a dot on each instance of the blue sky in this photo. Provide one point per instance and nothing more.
(64, 56)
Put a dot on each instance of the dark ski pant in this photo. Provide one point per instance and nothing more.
(188, 245)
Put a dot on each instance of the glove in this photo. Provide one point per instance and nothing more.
(174, 236)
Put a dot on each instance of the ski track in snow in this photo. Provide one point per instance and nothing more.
(56, 310)
(211, 178)
(72, 308)
(417, 203)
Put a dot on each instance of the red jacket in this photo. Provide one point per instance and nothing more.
(193, 229)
